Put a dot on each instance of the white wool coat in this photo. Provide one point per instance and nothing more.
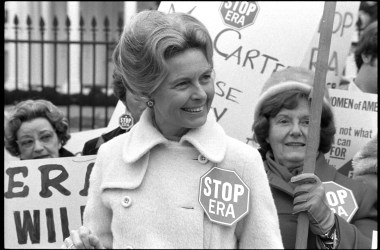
(144, 191)
(364, 161)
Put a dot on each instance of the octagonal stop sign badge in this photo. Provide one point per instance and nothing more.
(239, 14)
(341, 200)
(224, 196)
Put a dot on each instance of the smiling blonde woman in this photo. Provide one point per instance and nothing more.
(145, 183)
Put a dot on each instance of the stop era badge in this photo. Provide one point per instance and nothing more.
(341, 200)
(224, 196)
(126, 121)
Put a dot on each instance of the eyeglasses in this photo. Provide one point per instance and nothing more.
(28, 143)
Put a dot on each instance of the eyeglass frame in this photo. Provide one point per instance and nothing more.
(51, 134)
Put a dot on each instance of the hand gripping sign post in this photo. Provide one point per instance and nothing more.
(341, 200)
(224, 196)
(316, 111)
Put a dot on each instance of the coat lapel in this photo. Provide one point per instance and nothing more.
(209, 140)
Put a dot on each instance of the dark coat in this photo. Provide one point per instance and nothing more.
(65, 153)
(353, 235)
(91, 147)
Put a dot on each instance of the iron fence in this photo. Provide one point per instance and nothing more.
(97, 95)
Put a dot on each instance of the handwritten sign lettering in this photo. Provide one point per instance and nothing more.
(44, 199)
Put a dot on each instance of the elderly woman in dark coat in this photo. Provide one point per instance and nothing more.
(281, 127)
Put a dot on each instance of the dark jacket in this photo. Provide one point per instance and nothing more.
(353, 235)
(91, 147)
(65, 153)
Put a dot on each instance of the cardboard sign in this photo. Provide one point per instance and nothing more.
(224, 196)
(346, 14)
(245, 57)
(355, 115)
(44, 199)
(341, 200)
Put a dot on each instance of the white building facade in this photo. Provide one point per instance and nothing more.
(67, 56)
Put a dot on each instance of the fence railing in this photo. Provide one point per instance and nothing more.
(37, 52)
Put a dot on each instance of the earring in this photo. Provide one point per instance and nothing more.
(150, 103)
(126, 121)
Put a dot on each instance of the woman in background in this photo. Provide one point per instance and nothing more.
(281, 126)
(36, 129)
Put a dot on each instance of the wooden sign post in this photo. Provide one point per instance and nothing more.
(312, 142)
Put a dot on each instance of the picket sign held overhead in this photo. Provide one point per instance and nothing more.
(312, 142)
(245, 57)
(345, 17)
(355, 116)
(239, 14)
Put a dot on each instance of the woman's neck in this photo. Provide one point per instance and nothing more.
(295, 167)
(169, 134)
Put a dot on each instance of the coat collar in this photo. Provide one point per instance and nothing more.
(209, 139)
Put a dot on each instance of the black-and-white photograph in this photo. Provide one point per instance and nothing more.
(190, 125)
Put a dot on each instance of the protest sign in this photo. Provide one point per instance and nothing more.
(273, 35)
(239, 14)
(277, 35)
(355, 116)
(224, 196)
(44, 199)
(346, 14)
(341, 200)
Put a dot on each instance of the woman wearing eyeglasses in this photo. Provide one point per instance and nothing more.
(36, 129)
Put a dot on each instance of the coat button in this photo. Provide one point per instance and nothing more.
(126, 201)
(202, 159)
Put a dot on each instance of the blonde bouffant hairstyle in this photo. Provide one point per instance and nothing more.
(149, 40)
